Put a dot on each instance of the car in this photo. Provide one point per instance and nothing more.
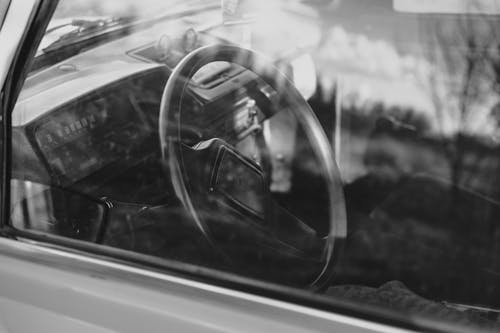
(236, 165)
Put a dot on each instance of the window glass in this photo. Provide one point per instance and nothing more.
(345, 147)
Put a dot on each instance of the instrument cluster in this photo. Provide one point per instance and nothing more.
(91, 133)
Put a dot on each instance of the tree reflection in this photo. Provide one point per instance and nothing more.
(463, 88)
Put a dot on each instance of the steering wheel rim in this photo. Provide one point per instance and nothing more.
(170, 109)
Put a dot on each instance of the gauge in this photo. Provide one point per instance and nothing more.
(190, 40)
(163, 46)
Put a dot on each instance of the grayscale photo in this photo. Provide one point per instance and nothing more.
(250, 166)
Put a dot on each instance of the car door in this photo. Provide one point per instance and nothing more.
(50, 288)
(162, 170)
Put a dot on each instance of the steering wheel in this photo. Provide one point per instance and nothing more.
(227, 193)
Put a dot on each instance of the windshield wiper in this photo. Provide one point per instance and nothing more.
(85, 28)
(93, 32)
(88, 27)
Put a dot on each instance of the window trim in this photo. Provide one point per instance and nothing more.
(179, 285)
(13, 82)
(160, 269)
(4, 8)
(165, 269)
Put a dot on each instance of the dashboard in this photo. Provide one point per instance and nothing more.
(105, 142)
(106, 129)
(98, 133)
(76, 143)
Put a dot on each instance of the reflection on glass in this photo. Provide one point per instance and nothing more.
(57, 211)
(407, 93)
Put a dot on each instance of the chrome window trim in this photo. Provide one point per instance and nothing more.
(36, 253)
(15, 24)
(4, 7)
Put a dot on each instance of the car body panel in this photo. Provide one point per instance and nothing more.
(72, 292)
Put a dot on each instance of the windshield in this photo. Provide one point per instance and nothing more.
(82, 20)
(347, 148)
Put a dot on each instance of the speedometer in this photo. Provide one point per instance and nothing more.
(69, 125)
(67, 138)
(89, 134)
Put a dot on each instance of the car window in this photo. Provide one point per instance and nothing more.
(345, 148)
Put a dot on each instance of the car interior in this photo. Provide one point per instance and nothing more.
(177, 143)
